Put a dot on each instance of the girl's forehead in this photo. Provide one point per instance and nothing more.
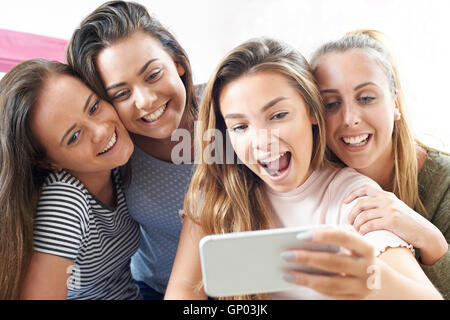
(349, 68)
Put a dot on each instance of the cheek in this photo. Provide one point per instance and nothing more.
(124, 113)
(240, 146)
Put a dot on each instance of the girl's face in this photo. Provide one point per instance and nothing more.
(270, 128)
(80, 133)
(360, 108)
(144, 84)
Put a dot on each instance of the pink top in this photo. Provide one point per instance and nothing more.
(320, 201)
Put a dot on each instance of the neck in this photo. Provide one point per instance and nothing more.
(382, 170)
(99, 184)
(162, 148)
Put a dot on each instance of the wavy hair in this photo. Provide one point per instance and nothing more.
(224, 197)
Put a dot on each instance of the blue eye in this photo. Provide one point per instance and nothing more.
(280, 115)
(94, 107)
(73, 138)
(239, 128)
(366, 99)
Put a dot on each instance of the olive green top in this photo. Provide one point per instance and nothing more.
(434, 182)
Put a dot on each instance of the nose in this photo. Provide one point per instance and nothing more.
(265, 140)
(350, 114)
(100, 131)
(144, 98)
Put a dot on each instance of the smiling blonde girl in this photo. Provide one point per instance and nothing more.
(267, 85)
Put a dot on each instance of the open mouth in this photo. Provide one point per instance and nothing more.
(276, 165)
(155, 115)
(357, 141)
(110, 145)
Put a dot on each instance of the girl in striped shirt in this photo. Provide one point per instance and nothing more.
(65, 231)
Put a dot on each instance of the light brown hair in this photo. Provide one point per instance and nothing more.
(224, 197)
(21, 175)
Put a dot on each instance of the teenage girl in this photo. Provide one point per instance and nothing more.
(65, 231)
(283, 182)
(368, 130)
(131, 60)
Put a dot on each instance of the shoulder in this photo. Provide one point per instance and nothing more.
(348, 179)
(434, 182)
(437, 164)
(63, 195)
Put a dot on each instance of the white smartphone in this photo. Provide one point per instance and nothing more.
(249, 262)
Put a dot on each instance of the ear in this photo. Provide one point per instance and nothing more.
(180, 69)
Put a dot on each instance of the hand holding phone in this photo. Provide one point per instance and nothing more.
(250, 262)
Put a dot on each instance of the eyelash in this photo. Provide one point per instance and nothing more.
(279, 116)
(276, 116)
(73, 138)
(125, 92)
(363, 100)
(120, 94)
(94, 108)
(153, 76)
(239, 128)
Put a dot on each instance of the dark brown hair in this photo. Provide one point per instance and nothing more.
(113, 21)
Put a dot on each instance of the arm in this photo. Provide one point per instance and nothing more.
(395, 274)
(46, 277)
(402, 277)
(186, 276)
(383, 210)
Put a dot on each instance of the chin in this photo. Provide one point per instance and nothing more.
(357, 164)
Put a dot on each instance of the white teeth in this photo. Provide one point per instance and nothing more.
(356, 140)
(272, 159)
(155, 115)
(110, 144)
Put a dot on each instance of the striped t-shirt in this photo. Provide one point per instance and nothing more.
(71, 223)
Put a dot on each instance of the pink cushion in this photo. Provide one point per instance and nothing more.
(16, 47)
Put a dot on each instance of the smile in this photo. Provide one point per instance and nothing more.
(152, 117)
(111, 144)
(357, 141)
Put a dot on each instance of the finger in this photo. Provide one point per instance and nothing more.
(366, 216)
(375, 224)
(328, 285)
(344, 238)
(326, 261)
(363, 205)
(365, 190)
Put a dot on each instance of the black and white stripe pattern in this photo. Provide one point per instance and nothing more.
(71, 223)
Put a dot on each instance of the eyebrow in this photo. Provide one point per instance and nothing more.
(73, 127)
(141, 71)
(268, 105)
(354, 89)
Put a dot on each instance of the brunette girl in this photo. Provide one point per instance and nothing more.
(65, 231)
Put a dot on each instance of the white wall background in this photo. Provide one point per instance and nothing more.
(209, 28)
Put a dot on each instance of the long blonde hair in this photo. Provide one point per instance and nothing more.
(374, 44)
(224, 197)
